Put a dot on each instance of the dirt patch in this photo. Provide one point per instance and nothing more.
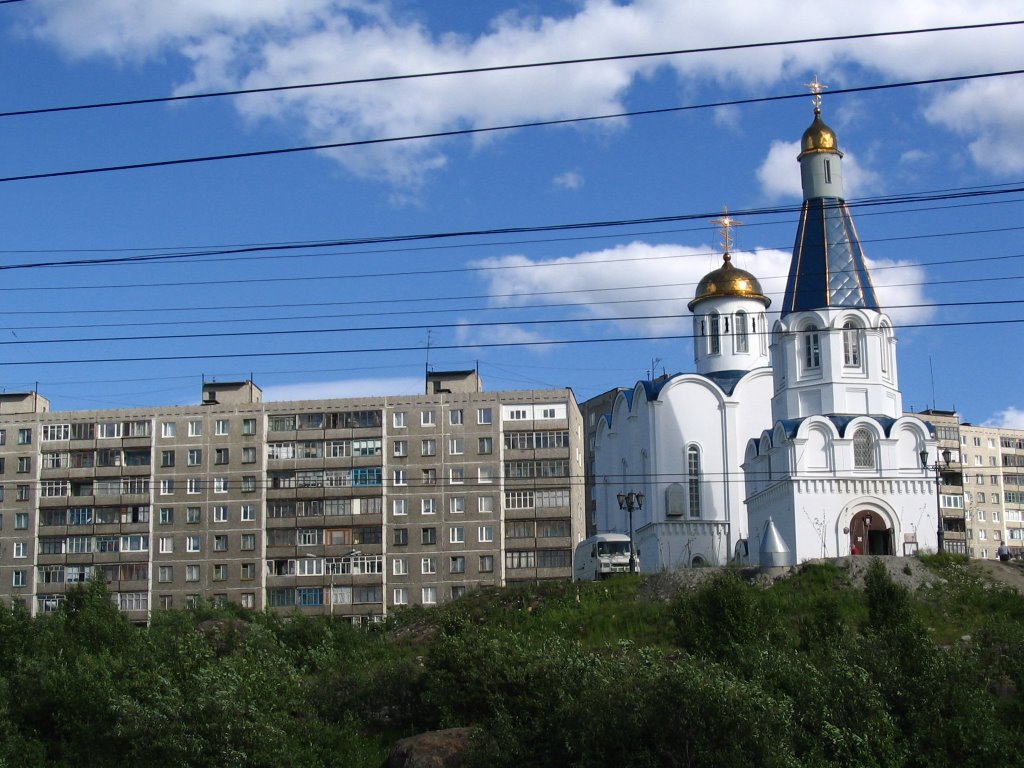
(1010, 574)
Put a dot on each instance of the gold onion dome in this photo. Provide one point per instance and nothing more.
(818, 138)
(727, 280)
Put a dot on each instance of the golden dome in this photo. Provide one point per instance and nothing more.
(727, 280)
(818, 138)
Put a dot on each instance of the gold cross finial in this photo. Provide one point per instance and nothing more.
(726, 224)
(816, 88)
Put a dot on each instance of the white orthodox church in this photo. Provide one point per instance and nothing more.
(783, 445)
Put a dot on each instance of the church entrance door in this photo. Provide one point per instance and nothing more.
(869, 535)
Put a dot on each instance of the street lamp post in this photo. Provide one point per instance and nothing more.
(947, 455)
(629, 502)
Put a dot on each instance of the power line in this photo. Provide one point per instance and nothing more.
(460, 324)
(466, 346)
(906, 198)
(502, 68)
(484, 130)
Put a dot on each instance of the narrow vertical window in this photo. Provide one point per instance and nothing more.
(863, 449)
(812, 348)
(742, 333)
(693, 480)
(851, 345)
(828, 172)
(715, 340)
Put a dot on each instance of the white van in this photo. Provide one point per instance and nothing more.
(601, 556)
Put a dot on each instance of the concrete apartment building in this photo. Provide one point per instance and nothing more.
(993, 488)
(344, 506)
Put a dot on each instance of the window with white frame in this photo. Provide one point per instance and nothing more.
(429, 595)
(398, 419)
(194, 485)
(455, 416)
(485, 505)
(428, 506)
(195, 429)
(483, 415)
(222, 427)
(166, 545)
(193, 544)
(427, 418)
(399, 507)
(812, 347)
(401, 477)
(220, 514)
(457, 505)
(400, 596)
(248, 513)
(456, 475)
(428, 565)
(166, 487)
(457, 534)
(485, 475)
(456, 446)
(220, 485)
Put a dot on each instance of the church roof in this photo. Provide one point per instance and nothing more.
(828, 268)
(841, 421)
(727, 280)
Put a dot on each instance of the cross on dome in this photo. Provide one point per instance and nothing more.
(816, 87)
(726, 223)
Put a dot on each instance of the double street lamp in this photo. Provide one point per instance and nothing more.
(629, 502)
(947, 456)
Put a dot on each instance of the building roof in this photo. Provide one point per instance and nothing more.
(727, 280)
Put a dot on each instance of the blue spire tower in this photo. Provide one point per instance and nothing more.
(833, 350)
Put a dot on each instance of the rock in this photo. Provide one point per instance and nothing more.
(434, 749)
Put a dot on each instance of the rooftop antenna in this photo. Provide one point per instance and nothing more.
(931, 372)
(429, 332)
(651, 374)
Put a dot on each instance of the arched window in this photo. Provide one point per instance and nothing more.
(693, 480)
(851, 345)
(715, 341)
(742, 334)
(863, 449)
(812, 347)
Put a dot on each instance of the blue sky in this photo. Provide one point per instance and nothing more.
(314, 319)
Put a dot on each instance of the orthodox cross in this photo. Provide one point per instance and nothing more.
(816, 88)
(726, 224)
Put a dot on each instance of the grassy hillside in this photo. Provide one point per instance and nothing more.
(813, 670)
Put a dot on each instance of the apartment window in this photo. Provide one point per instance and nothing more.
(457, 505)
(457, 534)
(247, 571)
(166, 487)
(399, 507)
(194, 485)
(220, 456)
(166, 458)
(457, 475)
(428, 536)
(248, 513)
(400, 596)
(193, 515)
(168, 429)
(401, 448)
(485, 505)
(427, 418)
(165, 574)
(18, 578)
(222, 427)
(195, 429)
(249, 483)
(483, 415)
(455, 416)
(21, 520)
(193, 544)
(24, 463)
(220, 514)
(428, 448)
(398, 419)
(166, 545)
(192, 573)
(20, 549)
(220, 572)
(220, 485)
(486, 563)
(25, 436)
(429, 477)
(166, 515)
(249, 455)
(24, 492)
(485, 446)
(456, 446)
(248, 426)
(485, 534)
(248, 542)
(517, 414)
(485, 475)
(399, 566)
(401, 477)
(401, 537)
(428, 565)
(429, 595)
(195, 457)
(428, 506)
(548, 413)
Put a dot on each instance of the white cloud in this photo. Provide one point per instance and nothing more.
(1011, 418)
(502, 334)
(638, 287)
(250, 43)
(568, 180)
(779, 173)
(317, 390)
(900, 289)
